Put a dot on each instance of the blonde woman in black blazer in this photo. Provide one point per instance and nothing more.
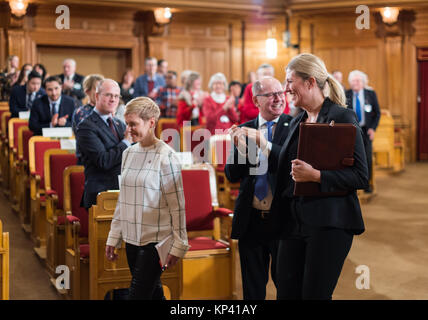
(317, 232)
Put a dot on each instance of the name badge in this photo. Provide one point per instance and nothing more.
(224, 119)
(368, 108)
(77, 86)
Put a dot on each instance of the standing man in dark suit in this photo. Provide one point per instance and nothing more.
(364, 102)
(101, 139)
(148, 84)
(51, 110)
(22, 97)
(72, 82)
(252, 224)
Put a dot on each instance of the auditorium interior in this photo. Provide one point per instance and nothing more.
(47, 249)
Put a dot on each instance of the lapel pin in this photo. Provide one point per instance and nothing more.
(285, 124)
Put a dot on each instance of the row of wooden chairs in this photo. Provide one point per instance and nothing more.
(45, 187)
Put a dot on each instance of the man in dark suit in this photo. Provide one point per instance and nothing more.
(149, 83)
(101, 139)
(365, 104)
(252, 224)
(51, 110)
(72, 82)
(22, 97)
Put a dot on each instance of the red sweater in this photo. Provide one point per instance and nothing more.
(214, 111)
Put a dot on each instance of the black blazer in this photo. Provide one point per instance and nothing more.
(339, 212)
(18, 99)
(101, 155)
(40, 114)
(236, 172)
(373, 116)
(77, 91)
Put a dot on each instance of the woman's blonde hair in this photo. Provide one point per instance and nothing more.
(144, 107)
(307, 65)
(90, 81)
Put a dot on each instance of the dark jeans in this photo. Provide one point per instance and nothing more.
(146, 271)
(310, 260)
(256, 249)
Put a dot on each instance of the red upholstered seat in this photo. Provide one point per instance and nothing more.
(77, 182)
(198, 200)
(204, 243)
(70, 218)
(84, 250)
(234, 193)
(26, 135)
(58, 162)
(16, 126)
(39, 149)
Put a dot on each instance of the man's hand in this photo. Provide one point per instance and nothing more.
(54, 120)
(62, 121)
(256, 136)
(110, 254)
(68, 85)
(371, 134)
(303, 172)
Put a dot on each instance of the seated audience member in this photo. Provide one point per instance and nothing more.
(90, 86)
(42, 70)
(23, 74)
(162, 67)
(127, 86)
(9, 77)
(53, 109)
(219, 110)
(71, 81)
(251, 77)
(183, 77)
(101, 139)
(167, 96)
(190, 101)
(147, 84)
(22, 97)
(235, 91)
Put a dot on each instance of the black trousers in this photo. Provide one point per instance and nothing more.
(310, 260)
(256, 250)
(369, 154)
(146, 271)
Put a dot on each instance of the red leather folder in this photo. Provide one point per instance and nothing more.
(325, 147)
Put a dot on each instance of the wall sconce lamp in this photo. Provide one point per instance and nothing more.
(271, 45)
(162, 15)
(389, 15)
(18, 7)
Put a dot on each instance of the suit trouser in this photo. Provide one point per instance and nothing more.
(369, 153)
(255, 252)
(146, 271)
(310, 260)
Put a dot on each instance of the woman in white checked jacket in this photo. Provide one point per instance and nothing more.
(150, 207)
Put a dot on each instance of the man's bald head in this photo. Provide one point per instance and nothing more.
(107, 96)
(260, 85)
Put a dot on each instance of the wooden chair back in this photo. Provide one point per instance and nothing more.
(4, 264)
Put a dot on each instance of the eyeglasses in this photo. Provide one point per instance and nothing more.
(110, 95)
(271, 94)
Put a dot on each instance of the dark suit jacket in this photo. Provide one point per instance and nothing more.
(236, 172)
(40, 115)
(370, 98)
(18, 99)
(342, 211)
(101, 155)
(77, 91)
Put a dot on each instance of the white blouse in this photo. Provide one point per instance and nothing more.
(151, 200)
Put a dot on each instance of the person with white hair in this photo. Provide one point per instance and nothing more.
(72, 82)
(365, 104)
(219, 109)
